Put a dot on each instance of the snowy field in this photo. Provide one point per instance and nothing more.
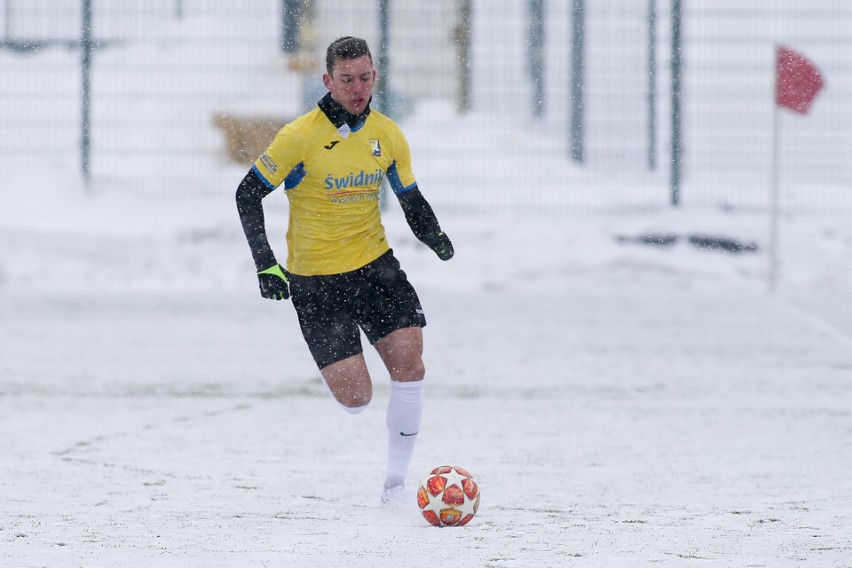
(620, 403)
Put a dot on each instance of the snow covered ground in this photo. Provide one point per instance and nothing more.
(620, 404)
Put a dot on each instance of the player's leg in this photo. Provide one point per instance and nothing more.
(401, 351)
(324, 311)
(391, 316)
(349, 383)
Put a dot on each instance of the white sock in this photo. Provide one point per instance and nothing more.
(403, 421)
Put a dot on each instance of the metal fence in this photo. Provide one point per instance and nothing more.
(495, 96)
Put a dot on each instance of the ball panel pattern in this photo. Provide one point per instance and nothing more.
(448, 497)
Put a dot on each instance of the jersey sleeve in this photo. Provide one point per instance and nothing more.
(400, 175)
(282, 159)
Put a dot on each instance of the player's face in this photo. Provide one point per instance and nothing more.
(351, 83)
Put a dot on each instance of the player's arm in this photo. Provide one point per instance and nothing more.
(423, 222)
(272, 278)
(417, 210)
(250, 194)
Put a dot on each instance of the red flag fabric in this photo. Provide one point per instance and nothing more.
(797, 80)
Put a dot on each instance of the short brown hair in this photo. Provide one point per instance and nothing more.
(346, 47)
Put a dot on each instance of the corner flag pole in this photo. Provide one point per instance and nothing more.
(797, 83)
(773, 200)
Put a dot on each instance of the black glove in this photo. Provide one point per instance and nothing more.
(441, 244)
(273, 283)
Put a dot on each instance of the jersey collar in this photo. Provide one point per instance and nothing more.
(340, 116)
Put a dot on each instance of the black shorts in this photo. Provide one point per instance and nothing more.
(377, 297)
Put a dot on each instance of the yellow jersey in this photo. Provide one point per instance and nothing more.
(331, 177)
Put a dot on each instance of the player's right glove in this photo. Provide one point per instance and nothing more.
(273, 283)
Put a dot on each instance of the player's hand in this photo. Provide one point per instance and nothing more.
(441, 244)
(273, 283)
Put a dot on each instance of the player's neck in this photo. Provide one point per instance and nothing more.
(339, 115)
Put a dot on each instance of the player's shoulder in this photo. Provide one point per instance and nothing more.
(305, 122)
(299, 130)
(381, 120)
(384, 127)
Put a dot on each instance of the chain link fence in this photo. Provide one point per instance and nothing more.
(497, 98)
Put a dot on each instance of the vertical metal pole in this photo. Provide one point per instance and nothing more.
(179, 9)
(383, 79)
(652, 84)
(461, 36)
(7, 20)
(677, 59)
(290, 16)
(383, 86)
(86, 50)
(774, 208)
(577, 80)
(535, 54)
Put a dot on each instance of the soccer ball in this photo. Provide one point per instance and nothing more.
(448, 497)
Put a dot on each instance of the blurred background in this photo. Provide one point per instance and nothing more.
(548, 105)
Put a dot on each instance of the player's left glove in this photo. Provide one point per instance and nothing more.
(441, 244)
(273, 283)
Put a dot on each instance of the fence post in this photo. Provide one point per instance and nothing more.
(86, 50)
(535, 54)
(577, 79)
(677, 59)
(461, 37)
(652, 84)
(383, 79)
(7, 20)
(383, 86)
(290, 16)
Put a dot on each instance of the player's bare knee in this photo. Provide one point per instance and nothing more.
(353, 395)
(355, 399)
(418, 370)
(409, 371)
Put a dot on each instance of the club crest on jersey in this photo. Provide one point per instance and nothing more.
(375, 146)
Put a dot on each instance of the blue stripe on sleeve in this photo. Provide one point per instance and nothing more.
(265, 181)
(296, 175)
(395, 182)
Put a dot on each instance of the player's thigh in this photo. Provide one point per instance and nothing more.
(349, 381)
(402, 353)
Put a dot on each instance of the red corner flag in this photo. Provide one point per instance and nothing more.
(797, 80)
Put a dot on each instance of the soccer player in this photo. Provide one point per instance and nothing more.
(340, 272)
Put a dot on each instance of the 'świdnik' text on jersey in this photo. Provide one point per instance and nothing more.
(332, 178)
